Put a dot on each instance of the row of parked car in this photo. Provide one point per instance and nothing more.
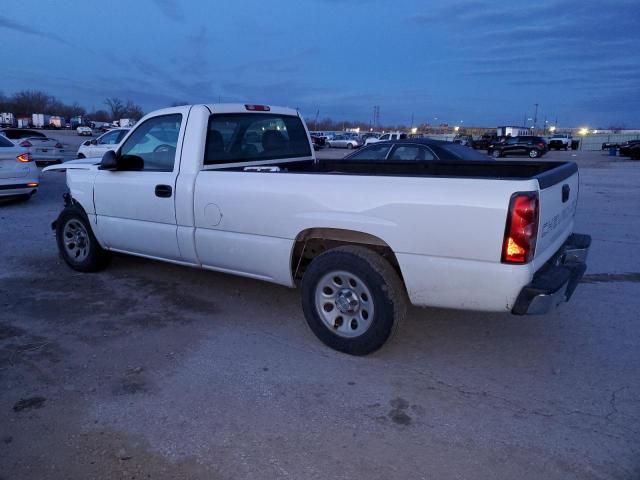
(630, 148)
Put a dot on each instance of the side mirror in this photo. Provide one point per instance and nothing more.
(94, 142)
(109, 161)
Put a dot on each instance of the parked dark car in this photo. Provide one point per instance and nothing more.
(416, 149)
(19, 133)
(628, 147)
(608, 145)
(531, 146)
(318, 142)
(485, 141)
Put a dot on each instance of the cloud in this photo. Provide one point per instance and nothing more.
(26, 29)
(170, 8)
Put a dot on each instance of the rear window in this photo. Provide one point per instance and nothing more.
(15, 134)
(247, 137)
(462, 152)
(4, 142)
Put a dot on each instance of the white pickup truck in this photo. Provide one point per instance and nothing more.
(560, 141)
(237, 189)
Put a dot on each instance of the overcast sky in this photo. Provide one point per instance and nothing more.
(480, 63)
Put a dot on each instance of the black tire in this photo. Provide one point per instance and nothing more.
(349, 146)
(496, 153)
(95, 257)
(388, 297)
(81, 155)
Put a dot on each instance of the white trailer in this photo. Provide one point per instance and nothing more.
(56, 121)
(7, 119)
(24, 122)
(509, 131)
(39, 120)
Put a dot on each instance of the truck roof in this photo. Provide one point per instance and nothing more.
(242, 108)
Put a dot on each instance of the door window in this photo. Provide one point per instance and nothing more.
(110, 138)
(152, 145)
(375, 152)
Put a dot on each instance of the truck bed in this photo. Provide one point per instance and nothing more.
(547, 173)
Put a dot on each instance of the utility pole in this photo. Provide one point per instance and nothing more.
(376, 116)
(524, 120)
(411, 119)
(535, 117)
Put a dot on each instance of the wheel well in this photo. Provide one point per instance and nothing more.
(312, 242)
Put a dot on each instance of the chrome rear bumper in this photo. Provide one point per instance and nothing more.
(554, 283)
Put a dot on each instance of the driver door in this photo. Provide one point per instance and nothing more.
(135, 208)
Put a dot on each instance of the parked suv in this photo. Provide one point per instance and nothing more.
(532, 146)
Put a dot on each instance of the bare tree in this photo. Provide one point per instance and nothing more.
(99, 116)
(115, 106)
(26, 102)
(131, 110)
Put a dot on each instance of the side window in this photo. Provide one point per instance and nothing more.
(512, 140)
(110, 138)
(244, 137)
(384, 137)
(375, 152)
(152, 146)
(411, 153)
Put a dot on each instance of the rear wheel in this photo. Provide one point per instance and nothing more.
(352, 299)
(533, 153)
(496, 153)
(349, 146)
(77, 244)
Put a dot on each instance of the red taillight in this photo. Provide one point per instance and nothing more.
(257, 108)
(26, 144)
(522, 228)
(58, 145)
(24, 158)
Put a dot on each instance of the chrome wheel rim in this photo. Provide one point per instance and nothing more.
(76, 240)
(495, 154)
(533, 153)
(344, 303)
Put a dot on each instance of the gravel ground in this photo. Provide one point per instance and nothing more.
(150, 370)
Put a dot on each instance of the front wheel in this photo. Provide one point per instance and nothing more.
(496, 153)
(77, 244)
(533, 153)
(352, 299)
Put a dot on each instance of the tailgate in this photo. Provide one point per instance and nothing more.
(558, 201)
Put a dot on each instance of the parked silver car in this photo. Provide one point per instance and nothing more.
(343, 141)
(19, 176)
(43, 150)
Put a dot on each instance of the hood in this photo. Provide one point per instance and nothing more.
(80, 164)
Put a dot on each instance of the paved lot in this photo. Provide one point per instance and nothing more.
(150, 370)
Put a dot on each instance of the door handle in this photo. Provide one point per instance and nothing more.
(163, 191)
